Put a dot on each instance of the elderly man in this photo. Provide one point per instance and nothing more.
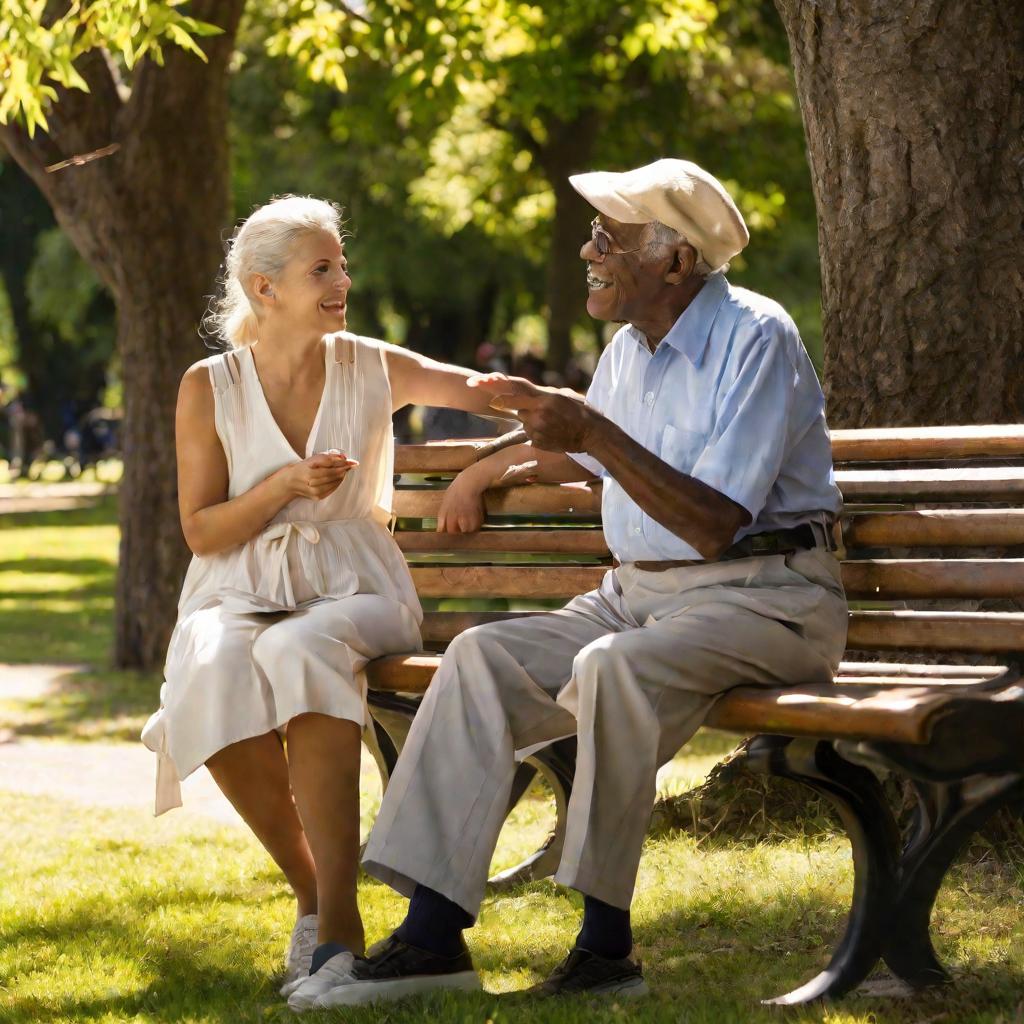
(706, 423)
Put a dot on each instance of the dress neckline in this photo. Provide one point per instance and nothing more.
(327, 346)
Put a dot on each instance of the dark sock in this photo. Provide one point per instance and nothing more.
(434, 923)
(605, 930)
(324, 952)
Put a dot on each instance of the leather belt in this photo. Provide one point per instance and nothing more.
(772, 542)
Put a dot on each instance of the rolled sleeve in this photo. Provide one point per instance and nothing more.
(743, 459)
(589, 463)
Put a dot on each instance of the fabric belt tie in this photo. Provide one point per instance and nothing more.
(278, 537)
(772, 542)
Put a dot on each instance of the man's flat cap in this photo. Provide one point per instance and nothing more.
(677, 193)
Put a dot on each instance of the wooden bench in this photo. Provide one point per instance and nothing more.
(915, 499)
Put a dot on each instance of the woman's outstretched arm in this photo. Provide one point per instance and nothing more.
(210, 520)
(420, 380)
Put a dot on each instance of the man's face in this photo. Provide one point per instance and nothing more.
(622, 284)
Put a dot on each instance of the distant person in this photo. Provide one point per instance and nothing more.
(284, 448)
(531, 367)
(442, 424)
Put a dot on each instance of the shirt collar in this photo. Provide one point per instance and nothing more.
(691, 332)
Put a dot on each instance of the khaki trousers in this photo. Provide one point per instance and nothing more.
(631, 669)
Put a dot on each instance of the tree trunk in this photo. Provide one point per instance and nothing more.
(914, 114)
(567, 152)
(149, 220)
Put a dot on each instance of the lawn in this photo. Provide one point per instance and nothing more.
(110, 915)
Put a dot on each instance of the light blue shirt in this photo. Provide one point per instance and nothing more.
(729, 397)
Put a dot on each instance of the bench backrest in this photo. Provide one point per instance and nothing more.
(932, 539)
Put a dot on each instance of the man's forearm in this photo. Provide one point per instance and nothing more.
(698, 514)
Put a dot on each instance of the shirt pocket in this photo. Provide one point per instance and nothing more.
(682, 448)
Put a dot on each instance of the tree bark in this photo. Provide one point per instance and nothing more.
(914, 115)
(567, 152)
(149, 220)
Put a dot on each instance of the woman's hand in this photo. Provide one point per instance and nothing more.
(462, 507)
(316, 477)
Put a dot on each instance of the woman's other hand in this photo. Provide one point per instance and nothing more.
(462, 506)
(318, 476)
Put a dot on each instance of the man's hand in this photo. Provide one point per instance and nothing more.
(555, 419)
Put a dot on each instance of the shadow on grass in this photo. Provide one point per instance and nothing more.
(710, 960)
(91, 705)
(71, 566)
(31, 634)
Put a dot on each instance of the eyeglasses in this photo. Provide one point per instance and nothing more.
(605, 243)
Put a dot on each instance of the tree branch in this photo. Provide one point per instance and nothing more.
(182, 81)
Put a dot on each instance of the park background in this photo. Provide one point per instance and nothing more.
(447, 132)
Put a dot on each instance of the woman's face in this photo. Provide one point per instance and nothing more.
(312, 290)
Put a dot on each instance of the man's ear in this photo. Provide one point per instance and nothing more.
(684, 259)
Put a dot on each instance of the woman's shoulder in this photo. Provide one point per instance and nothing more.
(221, 370)
(348, 347)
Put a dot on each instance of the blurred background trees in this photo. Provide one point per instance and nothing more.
(447, 131)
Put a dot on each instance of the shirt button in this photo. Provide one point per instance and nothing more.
(649, 398)
(636, 529)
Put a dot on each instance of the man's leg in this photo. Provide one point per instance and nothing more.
(493, 696)
(491, 702)
(638, 697)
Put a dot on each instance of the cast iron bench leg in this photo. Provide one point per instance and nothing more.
(948, 814)
(857, 795)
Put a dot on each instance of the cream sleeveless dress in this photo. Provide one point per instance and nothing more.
(285, 623)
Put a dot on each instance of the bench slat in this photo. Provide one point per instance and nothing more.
(866, 445)
(570, 542)
(879, 486)
(850, 710)
(518, 581)
(898, 714)
(909, 443)
(936, 528)
(538, 499)
(882, 579)
(896, 578)
(970, 632)
(857, 669)
(1004, 483)
(974, 632)
(918, 528)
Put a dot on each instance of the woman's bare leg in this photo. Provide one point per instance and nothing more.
(323, 760)
(253, 775)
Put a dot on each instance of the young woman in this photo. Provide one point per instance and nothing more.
(285, 452)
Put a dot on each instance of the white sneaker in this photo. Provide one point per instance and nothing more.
(336, 972)
(299, 954)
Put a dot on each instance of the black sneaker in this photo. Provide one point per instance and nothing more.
(587, 973)
(396, 970)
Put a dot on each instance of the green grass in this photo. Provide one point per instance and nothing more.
(55, 471)
(57, 573)
(110, 915)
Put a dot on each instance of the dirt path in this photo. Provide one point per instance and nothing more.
(53, 497)
(103, 774)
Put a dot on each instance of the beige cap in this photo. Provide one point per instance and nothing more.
(677, 193)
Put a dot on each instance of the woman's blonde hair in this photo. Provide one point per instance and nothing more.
(262, 244)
